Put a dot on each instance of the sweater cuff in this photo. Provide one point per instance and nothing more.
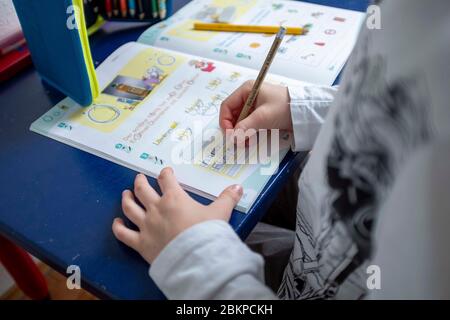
(309, 106)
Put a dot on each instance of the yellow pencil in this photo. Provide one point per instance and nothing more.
(245, 28)
(262, 74)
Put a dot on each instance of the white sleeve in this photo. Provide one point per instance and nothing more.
(412, 234)
(309, 107)
(209, 261)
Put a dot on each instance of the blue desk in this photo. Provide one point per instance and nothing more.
(58, 202)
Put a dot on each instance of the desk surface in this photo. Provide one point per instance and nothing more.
(58, 202)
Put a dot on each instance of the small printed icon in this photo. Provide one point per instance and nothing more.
(255, 45)
(317, 14)
(319, 43)
(47, 118)
(64, 125)
(214, 83)
(166, 60)
(339, 19)
(234, 76)
(308, 56)
(122, 147)
(330, 32)
(292, 39)
(205, 66)
(222, 51)
(282, 50)
(153, 159)
(277, 6)
(243, 56)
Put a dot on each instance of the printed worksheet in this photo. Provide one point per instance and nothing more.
(160, 108)
(316, 56)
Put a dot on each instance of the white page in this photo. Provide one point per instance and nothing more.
(143, 134)
(316, 57)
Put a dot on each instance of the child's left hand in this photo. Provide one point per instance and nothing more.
(162, 218)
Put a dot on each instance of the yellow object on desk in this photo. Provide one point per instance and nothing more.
(245, 28)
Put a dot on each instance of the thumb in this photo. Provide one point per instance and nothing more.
(227, 200)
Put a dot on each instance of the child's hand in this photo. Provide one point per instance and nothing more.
(271, 109)
(162, 218)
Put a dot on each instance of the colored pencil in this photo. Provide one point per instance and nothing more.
(245, 28)
(162, 9)
(116, 7)
(155, 9)
(141, 11)
(108, 8)
(132, 7)
(123, 8)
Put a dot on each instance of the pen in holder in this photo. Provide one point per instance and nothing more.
(150, 11)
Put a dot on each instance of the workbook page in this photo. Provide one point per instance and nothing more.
(317, 56)
(156, 105)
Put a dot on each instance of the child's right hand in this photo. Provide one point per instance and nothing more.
(270, 111)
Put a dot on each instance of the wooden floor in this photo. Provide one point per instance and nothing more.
(56, 285)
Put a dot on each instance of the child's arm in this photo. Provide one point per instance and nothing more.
(209, 261)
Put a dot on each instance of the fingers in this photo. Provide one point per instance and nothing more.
(125, 235)
(131, 209)
(231, 106)
(144, 191)
(227, 200)
(255, 120)
(167, 181)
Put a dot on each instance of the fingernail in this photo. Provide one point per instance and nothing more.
(124, 192)
(237, 189)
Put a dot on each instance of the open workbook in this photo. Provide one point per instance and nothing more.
(162, 94)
